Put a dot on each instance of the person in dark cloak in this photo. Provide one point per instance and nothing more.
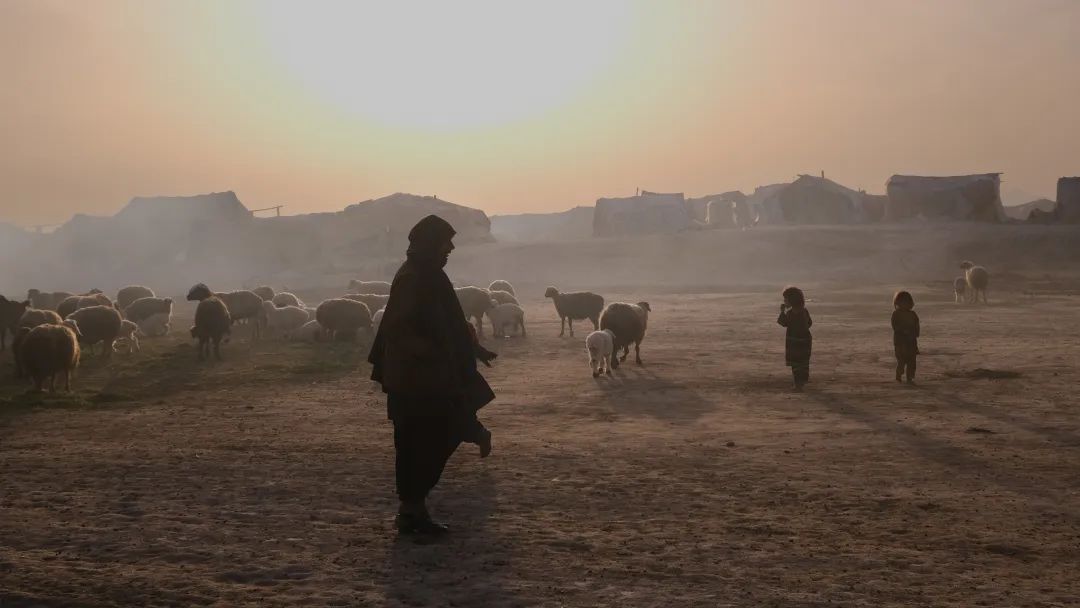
(424, 356)
(798, 342)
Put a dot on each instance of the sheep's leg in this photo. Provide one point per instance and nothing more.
(202, 348)
(138, 348)
(562, 326)
(625, 353)
(67, 380)
(607, 363)
(521, 324)
(217, 348)
(570, 321)
(637, 353)
(595, 364)
(595, 323)
(480, 326)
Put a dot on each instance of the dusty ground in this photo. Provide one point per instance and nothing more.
(699, 479)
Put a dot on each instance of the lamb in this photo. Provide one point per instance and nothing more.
(600, 345)
(376, 287)
(152, 315)
(475, 302)
(44, 300)
(373, 301)
(959, 286)
(242, 305)
(626, 328)
(129, 336)
(10, 313)
(504, 315)
(48, 350)
(308, 332)
(264, 292)
(502, 286)
(131, 293)
(978, 279)
(285, 319)
(342, 318)
(74, 303)
(576, 307)
(212, 323)
(503, 297)
(98, 324)
(285, 298)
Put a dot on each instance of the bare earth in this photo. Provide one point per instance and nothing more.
(698, 479)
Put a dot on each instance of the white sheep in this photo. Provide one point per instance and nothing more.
(978, 279)
(505, 315)
(601, 348)
(308, 332)
(285, 319)
(285, 298)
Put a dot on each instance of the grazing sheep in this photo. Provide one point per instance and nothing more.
(374, 301)
(98, 324)
(284, 319)
(978, 279)
(503, 297)
(10, 313)
(376, 319)
(131, 293)
(34, 317)
(342, 318)
(308, 332)
(265, 292)
(128, 336)
(74, 303)
(475, 302)
(377, 287)
(46, 300)
(48, 350)
(959, 286)
(626, 328)
(242, 305)
(285, 298)
(601, 348)
(576, 307)
(212, 323)
(152, 315)
(502, 286)
(503, 315)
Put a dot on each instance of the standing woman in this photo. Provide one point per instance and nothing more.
(424, 357)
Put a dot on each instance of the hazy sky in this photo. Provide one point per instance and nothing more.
(514, 106)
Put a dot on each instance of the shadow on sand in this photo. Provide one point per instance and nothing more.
(637, 390)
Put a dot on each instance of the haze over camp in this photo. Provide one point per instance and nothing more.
(614, 303)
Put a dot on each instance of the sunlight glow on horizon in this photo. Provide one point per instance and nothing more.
(445, 65)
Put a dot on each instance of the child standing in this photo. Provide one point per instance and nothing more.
(798, 342)
(905, 325)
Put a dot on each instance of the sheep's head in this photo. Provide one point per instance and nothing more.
(354, 284)
(168, 301)
(199, 293)
(645, 305)
(268, 306)
(551, 292)
(965, 265)
(33, 293)
(74, 327)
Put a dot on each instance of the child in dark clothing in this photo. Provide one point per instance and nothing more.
(798, 342)
(905, 325)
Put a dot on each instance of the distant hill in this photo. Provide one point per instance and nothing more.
(572, 224)
(1021, 212)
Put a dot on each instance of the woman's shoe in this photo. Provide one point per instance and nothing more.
(407, 523)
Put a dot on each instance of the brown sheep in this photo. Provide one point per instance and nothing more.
(212, 323)
(48, 350)
(74, 303)
(576, 306)
(242, 305)
(626, 325)
(98, 324)
(129, 294)
(10, 313)
(34, 317)
(342, 318)
(46, 300)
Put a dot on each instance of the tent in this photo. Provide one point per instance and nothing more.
(963, 197)
(647, 213)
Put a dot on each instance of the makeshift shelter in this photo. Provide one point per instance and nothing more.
(1068, 200)
(647, 213)
(964, 197)
(812, 200)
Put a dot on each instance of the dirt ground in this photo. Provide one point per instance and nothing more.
(698, 479)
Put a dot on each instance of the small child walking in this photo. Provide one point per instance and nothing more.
(905, 326)
(798, 342)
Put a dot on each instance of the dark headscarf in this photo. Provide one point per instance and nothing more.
(423, 310)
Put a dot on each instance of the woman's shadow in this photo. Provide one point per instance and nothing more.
(465, 568)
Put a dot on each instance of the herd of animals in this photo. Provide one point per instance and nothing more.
(51, 329)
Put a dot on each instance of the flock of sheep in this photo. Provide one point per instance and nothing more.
(50, 329)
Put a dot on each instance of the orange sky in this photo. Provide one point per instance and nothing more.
(537, 111)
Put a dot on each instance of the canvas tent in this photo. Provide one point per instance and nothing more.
(812, 200)
(964, 197)
(647, 213)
